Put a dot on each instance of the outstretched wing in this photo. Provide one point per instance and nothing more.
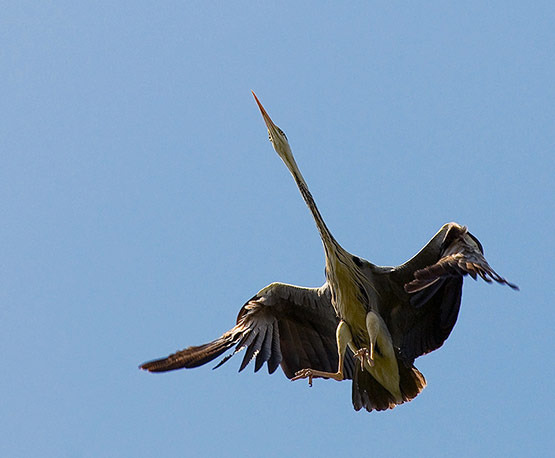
(464, 256)
(433, 279)
(281, 325)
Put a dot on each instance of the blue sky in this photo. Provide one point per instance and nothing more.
(142, 205)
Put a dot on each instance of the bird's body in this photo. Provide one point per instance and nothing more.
(367, 323)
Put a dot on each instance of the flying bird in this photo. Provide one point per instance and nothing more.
(366, 323)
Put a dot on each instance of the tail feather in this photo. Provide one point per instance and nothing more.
(368, 393)
(412, 382)
(190, 357)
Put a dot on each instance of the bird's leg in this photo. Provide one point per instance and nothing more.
(373, 327)
(344, 337)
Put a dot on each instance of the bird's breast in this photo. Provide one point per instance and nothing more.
(350, 301)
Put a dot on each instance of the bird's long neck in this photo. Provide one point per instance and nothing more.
(349, 296)
(331, 247)
(343, 275)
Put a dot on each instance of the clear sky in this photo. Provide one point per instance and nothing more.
(142, 205)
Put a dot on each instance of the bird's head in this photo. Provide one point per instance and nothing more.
(277, 136)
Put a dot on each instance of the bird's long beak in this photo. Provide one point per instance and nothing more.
(279, 141)
(272, 128)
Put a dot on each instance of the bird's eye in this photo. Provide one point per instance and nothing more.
(282, 133)
(270, 136)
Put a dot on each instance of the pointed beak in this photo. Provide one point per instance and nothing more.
(269, 123)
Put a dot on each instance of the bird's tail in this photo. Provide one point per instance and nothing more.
(368, 393)
(192, 356)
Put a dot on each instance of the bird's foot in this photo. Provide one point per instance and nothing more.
(304, 373)
(313, 373)
(363, 354)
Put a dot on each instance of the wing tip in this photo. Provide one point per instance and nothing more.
(153, 366)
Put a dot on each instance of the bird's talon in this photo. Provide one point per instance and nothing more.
(304, 373)
(364, 354)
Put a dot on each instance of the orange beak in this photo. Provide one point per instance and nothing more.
(269, 123)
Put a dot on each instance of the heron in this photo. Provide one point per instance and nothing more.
(366, 323)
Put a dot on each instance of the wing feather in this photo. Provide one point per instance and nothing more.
(275, 357)
(429, 289)
(265, 349)
(254, 348)
(281, 325)
(462, 257)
